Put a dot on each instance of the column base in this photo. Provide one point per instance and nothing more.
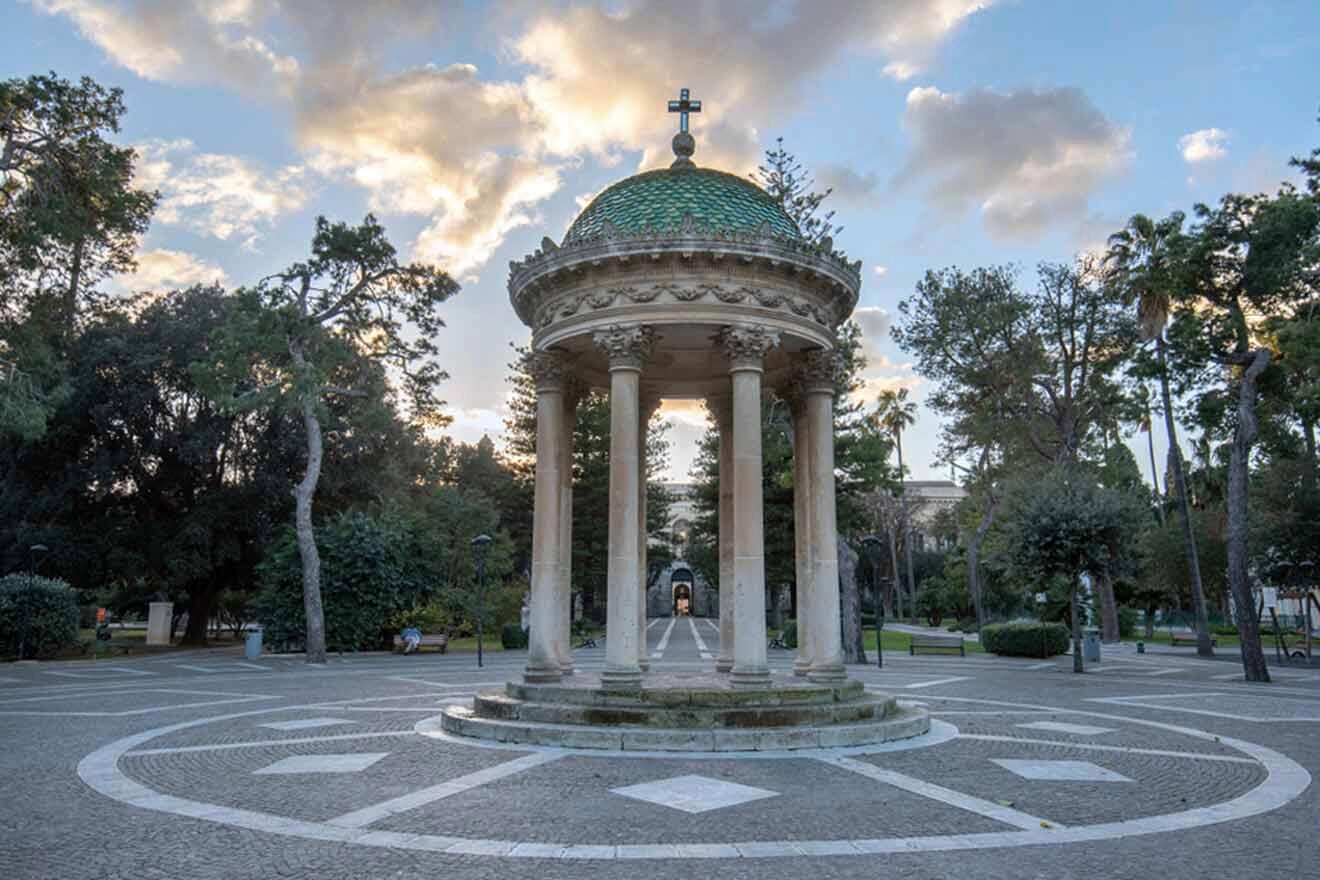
(724, 665)
(621, 679)
(566, 669)
(753, 677)
(542, 674)
(827, 674)
(801, 666)
(645, 665)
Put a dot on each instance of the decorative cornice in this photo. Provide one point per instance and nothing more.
(830, 268)
(627, 345)
(548, 369)
(819, 369)
(566, 307)
(746, 344)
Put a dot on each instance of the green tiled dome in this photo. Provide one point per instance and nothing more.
(657, 201)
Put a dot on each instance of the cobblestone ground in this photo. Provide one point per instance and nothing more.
(204, 765)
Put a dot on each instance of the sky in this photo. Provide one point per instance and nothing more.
(953, 132)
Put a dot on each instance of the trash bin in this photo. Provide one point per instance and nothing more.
(252, 648)
(1091, 646)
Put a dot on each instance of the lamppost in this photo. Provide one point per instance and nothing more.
(35, 551)
(873, 543)
(479, 545)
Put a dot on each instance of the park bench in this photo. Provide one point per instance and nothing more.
(1187, 637)
(439, 641)
(932, 642)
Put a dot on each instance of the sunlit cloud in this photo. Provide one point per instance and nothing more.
(1205, 145)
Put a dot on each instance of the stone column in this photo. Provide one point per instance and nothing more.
(627, 346)
(647, 409)
(721, 407)
(803, 570)
(547, 370)
(746, 346)
(826, 640)
(564, 596)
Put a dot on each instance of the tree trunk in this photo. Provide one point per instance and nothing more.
(1239, 584)
(907, 532)
(850, 598)
(1078, 665)
(1203, 645)
(1309, 466)
(1154, 472)
(974, 560)
(311, 559)
(199, 612)
(70, 305)
(1108, 607)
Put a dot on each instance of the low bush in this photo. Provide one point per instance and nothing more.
(38, 616)
(1222, 629)
(513, 637)
(1025, 639)
(789, 634)
(964, 625)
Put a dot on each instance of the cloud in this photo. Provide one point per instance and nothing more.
(1205, 145)
(848, 185)
(216, 195)
(880, 271)
(164, 269)
(474, 155)
(1026, 159)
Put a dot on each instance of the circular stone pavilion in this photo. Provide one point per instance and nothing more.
(686, 282)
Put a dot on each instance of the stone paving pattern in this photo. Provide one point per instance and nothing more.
(53, 825)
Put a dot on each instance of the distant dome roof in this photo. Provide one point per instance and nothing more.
(657, 200)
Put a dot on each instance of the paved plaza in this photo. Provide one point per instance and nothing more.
(205, 765)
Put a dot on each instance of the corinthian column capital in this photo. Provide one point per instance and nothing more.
(747, 344)
(819, 370)
(627, 345)
(548, 369)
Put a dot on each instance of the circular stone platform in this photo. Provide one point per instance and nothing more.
(699, 712)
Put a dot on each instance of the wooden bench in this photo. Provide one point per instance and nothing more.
(932, 642)
(439, 641)
(1187, 637)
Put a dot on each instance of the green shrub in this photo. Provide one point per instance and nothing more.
(1127, 622)
(1222, 629)
(1025, 639)
(789, 634)
(371, 571)
(38, 616)
(964, 625)
(513, 637)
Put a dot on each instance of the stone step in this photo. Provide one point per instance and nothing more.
(678, 690)
(501, 707)
(902, 723)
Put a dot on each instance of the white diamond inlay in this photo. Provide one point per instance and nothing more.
(694, 794)
(306, 723)
(1061, 727)
(1060, 771)
(351, 763)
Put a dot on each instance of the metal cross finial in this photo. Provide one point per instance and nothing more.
(683, 107)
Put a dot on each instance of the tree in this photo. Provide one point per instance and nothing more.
(895, 414)
(1247, 259)
(300, 333)
(1143, 257)
(1063, 524)
(784, 177)
(69, 214)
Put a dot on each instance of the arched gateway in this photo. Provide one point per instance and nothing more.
(685, 282)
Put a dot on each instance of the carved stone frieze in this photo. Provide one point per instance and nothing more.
(626, 345)
(747, 344)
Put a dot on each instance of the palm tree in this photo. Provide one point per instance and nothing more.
(896, 413)
(1148, 428)
(1143, 255)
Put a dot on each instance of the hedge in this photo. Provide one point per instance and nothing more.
(513, 637)
(37, 615)
(1025, 639)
